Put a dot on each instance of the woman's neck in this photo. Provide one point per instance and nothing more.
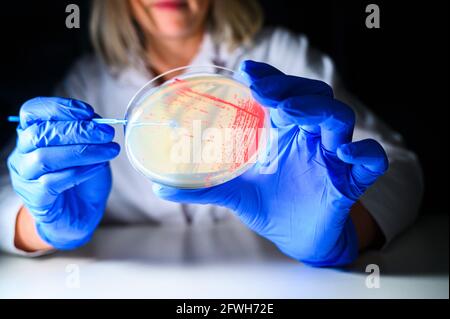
(167, 54)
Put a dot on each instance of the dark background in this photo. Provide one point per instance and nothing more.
(400, 70)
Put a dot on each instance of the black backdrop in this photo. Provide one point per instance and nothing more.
(400, 70)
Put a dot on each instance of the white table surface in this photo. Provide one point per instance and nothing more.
(224, 260)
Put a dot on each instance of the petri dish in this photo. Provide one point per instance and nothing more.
(199, 129)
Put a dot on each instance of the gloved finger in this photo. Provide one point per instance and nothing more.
(251, 71)
(58, 182)
(271, 90)
(63, 180)
(62, 133)
(53, 109)
(221, 195)
(54, 158)
(39, 194)
(335, 119)
(368, 158)
(270, 86)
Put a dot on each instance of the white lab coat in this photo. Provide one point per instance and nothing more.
(393, 200)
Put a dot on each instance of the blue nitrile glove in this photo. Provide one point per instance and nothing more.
(303, 207)
(60, 168)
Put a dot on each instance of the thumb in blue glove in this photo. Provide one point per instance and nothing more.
(303, 206)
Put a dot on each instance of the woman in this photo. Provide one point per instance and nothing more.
(311, 207)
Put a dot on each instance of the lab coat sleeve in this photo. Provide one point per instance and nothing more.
(394, 200)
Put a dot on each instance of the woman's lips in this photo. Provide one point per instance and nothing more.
(170, 4)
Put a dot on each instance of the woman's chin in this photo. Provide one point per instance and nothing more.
(175, 31)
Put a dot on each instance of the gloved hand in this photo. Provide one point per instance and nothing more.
(60, 168)
(303, 207)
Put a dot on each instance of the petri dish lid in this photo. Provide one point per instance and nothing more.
(199, 129)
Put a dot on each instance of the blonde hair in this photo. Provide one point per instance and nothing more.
(116, 36)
